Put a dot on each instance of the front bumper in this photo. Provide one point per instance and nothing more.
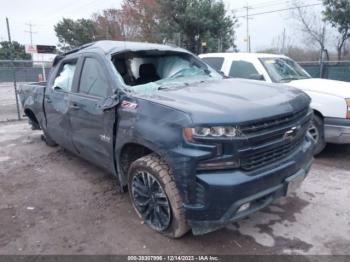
(224, 192)
(337, 130)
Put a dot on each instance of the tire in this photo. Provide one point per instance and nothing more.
(47, 139)
(316, 130)
(155, 197)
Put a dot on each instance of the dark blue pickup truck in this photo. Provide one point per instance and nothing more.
(194, 150)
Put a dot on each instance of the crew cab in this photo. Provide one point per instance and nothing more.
(330, 98)
(194, 150)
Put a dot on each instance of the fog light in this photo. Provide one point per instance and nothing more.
(244, 207)
(218, 165)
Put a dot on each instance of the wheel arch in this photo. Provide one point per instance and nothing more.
(318, 113)
(33, 119)
(127, 154)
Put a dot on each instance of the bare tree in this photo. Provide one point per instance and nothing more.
(312, 26)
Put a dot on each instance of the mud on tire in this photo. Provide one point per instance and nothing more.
(149, 176)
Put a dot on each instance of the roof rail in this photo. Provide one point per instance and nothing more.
(74, 50)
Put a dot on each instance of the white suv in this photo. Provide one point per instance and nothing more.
(330, 98)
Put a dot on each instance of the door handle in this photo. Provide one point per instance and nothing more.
(74, 107)
(48, 100)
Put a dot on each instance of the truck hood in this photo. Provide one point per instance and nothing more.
(231, 100)
(331, 87)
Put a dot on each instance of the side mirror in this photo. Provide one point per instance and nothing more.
(258, 77)
(109, 102)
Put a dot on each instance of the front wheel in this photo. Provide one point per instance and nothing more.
(155, 196)
(316, 130)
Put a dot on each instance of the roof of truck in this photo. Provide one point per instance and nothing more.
(241, 55)
(110, 47)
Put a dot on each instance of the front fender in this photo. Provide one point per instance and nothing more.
(154, 126)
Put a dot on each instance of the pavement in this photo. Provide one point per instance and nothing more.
(8, 108)
(53, 202)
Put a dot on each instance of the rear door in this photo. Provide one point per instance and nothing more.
(247, 68)
(56, 101)
(91, 127)
(215, 62)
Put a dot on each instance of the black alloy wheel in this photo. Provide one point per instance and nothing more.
(151, 201)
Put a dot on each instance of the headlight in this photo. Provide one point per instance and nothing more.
(348, 108)
(214, 131)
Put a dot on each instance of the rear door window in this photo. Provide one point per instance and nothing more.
(64, 78)
(214, 62)
(93, 80)
(242, 69)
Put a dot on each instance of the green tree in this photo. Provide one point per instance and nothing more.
(72, 33)
(198, 25)
(13, 50)
(337, 13)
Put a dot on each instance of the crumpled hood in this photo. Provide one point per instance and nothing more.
(326, 86)
(231, 100)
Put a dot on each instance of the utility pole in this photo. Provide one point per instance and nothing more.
(8, 30)
(30, 32)
(14, 70)
(284, 41)
(247, 7)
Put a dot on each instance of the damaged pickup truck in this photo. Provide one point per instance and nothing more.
(194, 150)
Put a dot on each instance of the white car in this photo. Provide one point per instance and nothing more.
(330, 98)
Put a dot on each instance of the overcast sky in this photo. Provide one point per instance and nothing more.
(43, 14)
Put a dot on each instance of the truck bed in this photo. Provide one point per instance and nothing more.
(31, 96)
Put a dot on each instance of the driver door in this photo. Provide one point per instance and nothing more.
(91, 126)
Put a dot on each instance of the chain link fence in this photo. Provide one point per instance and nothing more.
(331, 70)
(13, 73)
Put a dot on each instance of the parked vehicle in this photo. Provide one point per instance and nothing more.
(330, 98)
(194, 150)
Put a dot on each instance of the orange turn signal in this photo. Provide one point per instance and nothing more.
(348, 108)
(188, 134)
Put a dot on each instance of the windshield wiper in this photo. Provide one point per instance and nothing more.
(294, 78)
(289, 79)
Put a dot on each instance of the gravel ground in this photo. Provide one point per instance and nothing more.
(8, 109)
(55, 203)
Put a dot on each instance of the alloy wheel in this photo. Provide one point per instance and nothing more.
(313, 131)
(151, 201)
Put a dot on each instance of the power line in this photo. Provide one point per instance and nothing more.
(70, 9)
(279, 10)
(263, 5)
(30, 31)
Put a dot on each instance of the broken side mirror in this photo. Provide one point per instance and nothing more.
(109, 102)
(258, 77)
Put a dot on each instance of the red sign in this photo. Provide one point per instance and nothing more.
(31, 49)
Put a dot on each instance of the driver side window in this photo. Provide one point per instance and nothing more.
(64, 78)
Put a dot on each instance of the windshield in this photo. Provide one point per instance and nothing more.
(145, 71)
(282, 70)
